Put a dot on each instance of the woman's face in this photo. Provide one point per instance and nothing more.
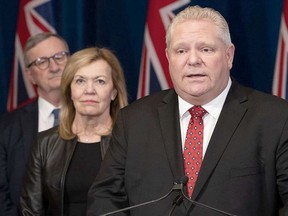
(92, 89)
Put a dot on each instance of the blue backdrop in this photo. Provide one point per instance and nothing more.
(119, 25)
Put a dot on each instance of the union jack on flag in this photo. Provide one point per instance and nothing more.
(154, 74)
(34, 16)
(279, 87)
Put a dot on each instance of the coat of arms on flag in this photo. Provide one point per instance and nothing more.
(34, 16)
(154, 74)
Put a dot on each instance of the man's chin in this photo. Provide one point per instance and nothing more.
(55, 83)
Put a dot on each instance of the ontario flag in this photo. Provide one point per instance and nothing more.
(154, 73)
(279, 87)
(34, 16)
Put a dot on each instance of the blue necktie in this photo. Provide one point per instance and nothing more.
(56, 116)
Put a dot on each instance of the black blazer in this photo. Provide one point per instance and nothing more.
(17, 131)
(244, 172)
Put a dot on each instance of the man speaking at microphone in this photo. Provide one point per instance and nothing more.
(230, 141)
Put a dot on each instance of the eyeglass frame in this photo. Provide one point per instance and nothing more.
(64, 53)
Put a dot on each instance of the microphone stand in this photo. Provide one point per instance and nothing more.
(178, 186)
(177, 201)
(205, 206)
(174, 188)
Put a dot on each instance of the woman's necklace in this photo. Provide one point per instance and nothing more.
(89, 139)
(86, 140)
(92, 135)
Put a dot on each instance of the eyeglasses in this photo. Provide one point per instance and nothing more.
(44, 62)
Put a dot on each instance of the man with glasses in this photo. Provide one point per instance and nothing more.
(45, 57)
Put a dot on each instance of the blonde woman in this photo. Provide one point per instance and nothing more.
(65, 160)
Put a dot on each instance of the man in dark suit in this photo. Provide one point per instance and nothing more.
(243, 145)
(45, 57)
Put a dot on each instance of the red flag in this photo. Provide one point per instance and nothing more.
(280, 74)
(33, 17)
(154, 74)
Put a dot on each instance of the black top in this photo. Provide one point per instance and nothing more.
(82, 171)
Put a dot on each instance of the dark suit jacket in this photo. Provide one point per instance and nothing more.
(17, 131)
(244, 172)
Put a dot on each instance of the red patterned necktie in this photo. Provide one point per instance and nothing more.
(193, 147)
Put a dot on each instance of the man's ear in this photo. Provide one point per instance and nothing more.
(28, 73)
(230, 55)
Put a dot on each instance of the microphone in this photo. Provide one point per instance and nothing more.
(184, 182)
(178, 199)
(177, 186)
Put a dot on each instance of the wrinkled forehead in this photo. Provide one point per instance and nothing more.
(197, 26)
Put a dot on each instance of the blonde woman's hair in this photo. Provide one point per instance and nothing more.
(76, 61)
(199, 13)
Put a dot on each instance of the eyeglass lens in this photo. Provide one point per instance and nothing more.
(44, 62)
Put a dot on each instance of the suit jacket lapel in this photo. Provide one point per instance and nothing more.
(228, 121)
(170, 129)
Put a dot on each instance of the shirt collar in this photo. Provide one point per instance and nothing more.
(45, 108)
(214, 107)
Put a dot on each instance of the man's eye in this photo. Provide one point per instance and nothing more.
(180, 51)
(58, 57)
(207, 50)
(41, 61)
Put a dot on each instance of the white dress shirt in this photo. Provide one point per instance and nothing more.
(45, 115)
(210, 119)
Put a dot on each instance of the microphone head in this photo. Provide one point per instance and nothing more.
(183, 180)
(180, 183)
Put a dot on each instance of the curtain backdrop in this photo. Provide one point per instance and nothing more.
(119, 25)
